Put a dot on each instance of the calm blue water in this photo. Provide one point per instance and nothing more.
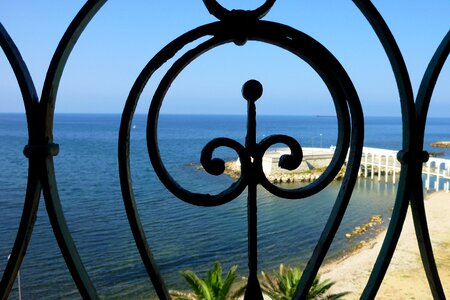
(182, 236)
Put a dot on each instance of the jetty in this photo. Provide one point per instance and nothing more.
(376, 164)
(314, 162)
(313, 158)
(440, 168)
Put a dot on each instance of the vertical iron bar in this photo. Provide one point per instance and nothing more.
(253, 290)
(250, 139)
(250, 143)
(251, 91)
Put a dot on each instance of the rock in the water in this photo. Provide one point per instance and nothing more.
(374, 220)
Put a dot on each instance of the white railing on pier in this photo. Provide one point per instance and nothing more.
(376, 161)
(440, 168)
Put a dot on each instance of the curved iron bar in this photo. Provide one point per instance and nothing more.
(201, 199)
(59, 60)
(41, 148)
(124, 152)
(152, 139)
(287, 161)
(216, 166)
(221, 13)
(24, 231)
(31, 203)
(20, 70)
(295, 41)
(276, 34)
(429, 82)
(40, 151)
(49, 184)
(406, 181)
(335, 76)
(287, 38)
(423, 101)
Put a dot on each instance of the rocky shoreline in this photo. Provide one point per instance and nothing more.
(232, 169)
(374, 221)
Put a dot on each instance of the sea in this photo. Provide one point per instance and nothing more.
(181, 236)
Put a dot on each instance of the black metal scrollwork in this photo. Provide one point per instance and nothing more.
(238, 27)
(234, 26)
(39, 151)
(412, 156)
(222, 13)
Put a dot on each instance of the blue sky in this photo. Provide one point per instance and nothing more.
(124, 36)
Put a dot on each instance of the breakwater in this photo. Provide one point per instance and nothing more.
(376, 164)
(314, 163)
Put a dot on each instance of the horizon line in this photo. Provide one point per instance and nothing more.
(218, 114)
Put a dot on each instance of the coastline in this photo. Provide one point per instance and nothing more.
(405, 278)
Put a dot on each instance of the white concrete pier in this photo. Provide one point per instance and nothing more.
(375, 162)
(378, 161)
(312, 158)
(441, 169)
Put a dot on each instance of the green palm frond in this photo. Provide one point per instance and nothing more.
(319, 288)
(281, 285)
(198, 285)
(215, 279)
(226, 286)
(213, 287)
(267, 282)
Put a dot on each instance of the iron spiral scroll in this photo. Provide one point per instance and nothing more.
(238, 27)
(235, 26)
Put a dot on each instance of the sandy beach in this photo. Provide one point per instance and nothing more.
(405, 278)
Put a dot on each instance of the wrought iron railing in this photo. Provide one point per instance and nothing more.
(236, 26)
